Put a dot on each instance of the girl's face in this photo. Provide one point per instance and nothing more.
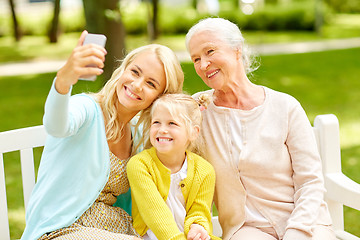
(168, 134)
(214, 60)
(141, 83)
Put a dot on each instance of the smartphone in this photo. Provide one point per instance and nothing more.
(98, 39)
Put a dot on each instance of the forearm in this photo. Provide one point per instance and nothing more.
(149, 208)
(200, 210)
(55, 118)
(307, 177)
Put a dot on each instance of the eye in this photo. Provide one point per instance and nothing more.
(173, 123)
(151, 84)
(195, 60)
(135, 72)
(155, 122)
(210, 51)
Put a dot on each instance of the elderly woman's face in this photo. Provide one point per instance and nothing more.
(214, 60)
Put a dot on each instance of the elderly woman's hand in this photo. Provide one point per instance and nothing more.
(78, 64)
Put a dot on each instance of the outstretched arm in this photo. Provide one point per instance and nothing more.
(62, 117)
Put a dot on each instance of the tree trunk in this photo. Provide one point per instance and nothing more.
(194, 4)
(115, 31)
(236, 4)
(104, 17)
(16, 27)
(153, 28)
(319, 17)
(54, 29)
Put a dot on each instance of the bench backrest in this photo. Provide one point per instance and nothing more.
(340, 189)
(23, 140)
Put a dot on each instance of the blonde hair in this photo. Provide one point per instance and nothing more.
(186, 109)
(229, 33)
(107, 96)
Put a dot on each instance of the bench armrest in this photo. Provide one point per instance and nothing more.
(342, 189)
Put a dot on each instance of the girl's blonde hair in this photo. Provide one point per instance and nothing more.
(107, 96)
(183, 107)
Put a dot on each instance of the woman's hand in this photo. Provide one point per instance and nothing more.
(197, 232)
(78, 64)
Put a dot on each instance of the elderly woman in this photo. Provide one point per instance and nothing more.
(269, 182)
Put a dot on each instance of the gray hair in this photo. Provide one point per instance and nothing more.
(229, 33)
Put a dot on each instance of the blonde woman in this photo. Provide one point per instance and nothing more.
(82, 170)
(171, 186)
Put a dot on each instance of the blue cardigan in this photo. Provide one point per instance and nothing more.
(74, 167)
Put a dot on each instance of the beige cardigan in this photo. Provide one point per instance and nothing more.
(279, 166)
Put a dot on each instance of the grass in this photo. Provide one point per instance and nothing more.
(324, 82)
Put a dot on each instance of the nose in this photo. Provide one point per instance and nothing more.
(204, 64)
(163, 130)
(137, 85)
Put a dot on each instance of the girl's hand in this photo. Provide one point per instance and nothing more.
(197, 232)
(76, 65)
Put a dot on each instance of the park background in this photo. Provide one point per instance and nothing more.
(325, 81)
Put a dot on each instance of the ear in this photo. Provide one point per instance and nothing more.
(238, 53)
(194, 133)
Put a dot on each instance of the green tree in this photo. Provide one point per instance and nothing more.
(104, 17)
(54, 28)
(16, 26)
(344, 6)
(152, 26)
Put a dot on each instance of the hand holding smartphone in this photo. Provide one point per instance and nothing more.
(98, 39)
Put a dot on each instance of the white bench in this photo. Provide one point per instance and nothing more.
(340, 189)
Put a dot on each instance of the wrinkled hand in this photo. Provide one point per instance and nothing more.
(78, 62)
(197, 232)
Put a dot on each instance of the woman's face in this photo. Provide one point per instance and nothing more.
(214, 60)
(141, 83)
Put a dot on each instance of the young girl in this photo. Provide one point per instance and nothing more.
(172, 187)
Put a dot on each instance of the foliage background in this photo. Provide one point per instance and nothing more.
(324, 82)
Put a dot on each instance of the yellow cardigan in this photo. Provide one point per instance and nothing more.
(150, 184)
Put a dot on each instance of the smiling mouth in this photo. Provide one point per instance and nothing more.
(161, 139)
(212, 74)
(130, 94)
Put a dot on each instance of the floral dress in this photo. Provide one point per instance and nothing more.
(102, 220)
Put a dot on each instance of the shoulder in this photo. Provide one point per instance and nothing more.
(86, 103)
(83, 99)
(209, 92)
(200, 164)
(281, 99)
(143, 158)
(277, 95)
